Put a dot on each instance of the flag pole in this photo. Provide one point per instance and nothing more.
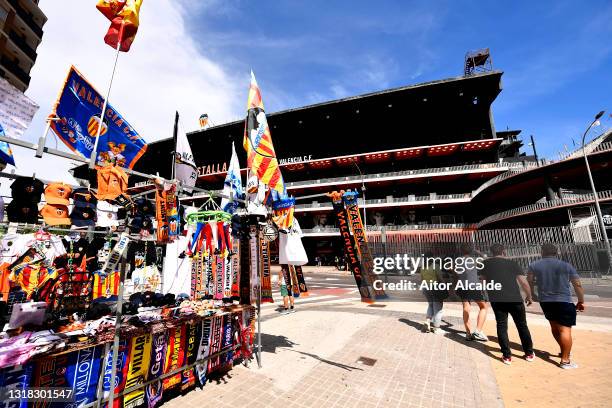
(175, 142)
(92, 161)
(42, 141)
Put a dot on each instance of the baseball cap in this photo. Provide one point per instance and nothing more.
(83, 216)
(83, 197)
(22, 211)
(27, 189)
(144, 206)
(58, 193)
(55, 214)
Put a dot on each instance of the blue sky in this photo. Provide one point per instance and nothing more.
(556, 55)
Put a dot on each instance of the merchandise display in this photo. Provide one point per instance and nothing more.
(68, 294)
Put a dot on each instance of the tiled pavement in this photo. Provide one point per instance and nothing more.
(412, 369)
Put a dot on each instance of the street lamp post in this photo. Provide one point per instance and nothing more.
(363, 190)
(535, 153)
(602, 226)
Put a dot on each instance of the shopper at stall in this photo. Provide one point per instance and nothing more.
(508, 300)
(552, 277)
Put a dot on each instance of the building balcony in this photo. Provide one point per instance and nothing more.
(411, 200)
(15, 69)
(23, 45)
(376, 229)
(27, 18)
(568, 201)
(408, 174)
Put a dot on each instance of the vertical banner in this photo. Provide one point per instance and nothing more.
(254, 263)
(360, 239)
(266, 281)
(121, 372)
(245, 271)
(138, 369)
(215, 343)
(154, 391)
(227, 341)
(83, 374)
(191, 355)
(50, 372)
(175, 354)
(235, 262)
(301, 280)
(295, 286)
(18, 378)
(203, 351)
(365, 290)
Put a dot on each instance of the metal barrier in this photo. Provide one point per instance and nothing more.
(522, 245)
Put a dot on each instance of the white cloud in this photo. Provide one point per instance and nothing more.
(163, 72)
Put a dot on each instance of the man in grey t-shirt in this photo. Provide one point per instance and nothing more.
(553, 277)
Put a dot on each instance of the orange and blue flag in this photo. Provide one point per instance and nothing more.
(124, 18)
(261, 157)
(78, 113)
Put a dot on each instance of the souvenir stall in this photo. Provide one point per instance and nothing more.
(99, 287)
(127, 300)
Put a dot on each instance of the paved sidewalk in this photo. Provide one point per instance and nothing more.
(310, 360)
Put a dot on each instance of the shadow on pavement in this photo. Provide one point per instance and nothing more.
(270, 343)
(326, 361)
(459, 337)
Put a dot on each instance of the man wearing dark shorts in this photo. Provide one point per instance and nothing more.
(508, 300)
(553, 277)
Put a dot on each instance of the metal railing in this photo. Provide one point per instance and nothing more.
(379, 202)
(522, 244)
(561, 202)
(391, 228)
(594, 148)
(405, 174)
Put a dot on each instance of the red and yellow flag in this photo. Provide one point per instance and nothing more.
(123, 15)
(261, 157)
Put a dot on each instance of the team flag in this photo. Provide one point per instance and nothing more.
(203, 120)
(261, 157)
(232, 185)
(6, 154)
(185, 168)
(124, 18)
(78, 110)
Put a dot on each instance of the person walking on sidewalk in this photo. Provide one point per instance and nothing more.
(468, 274)
(435, 299)
(508, 300)
(285, 290)
(552, 277)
